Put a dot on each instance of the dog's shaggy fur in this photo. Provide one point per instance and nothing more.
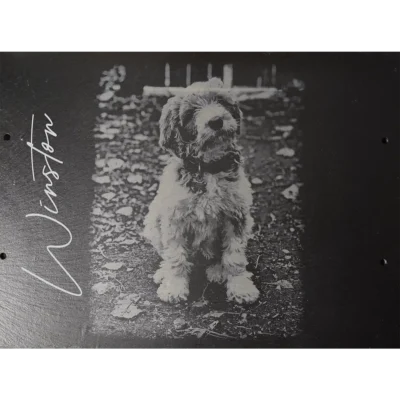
(202, 207)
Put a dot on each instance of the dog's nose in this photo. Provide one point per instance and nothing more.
(216, 123)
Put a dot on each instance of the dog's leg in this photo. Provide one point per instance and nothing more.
(240, 287)
(152, 228)
(173, 274)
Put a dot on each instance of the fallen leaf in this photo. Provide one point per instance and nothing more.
(136, 166)
(200, 303)
(213, 324)
(106, 274)
(278, 177)
(286, 251)
(128, 242)
(120, 238)
(285, 284)
(115, 163)
(112, 131)
(180, 323)
(285, 152)
(291, 192)
(199, 332)
(153, 188)
(102, 287)
(214, 314)
(256, 181)
(108, 196)
(125, 211)
(243, 318)
(113, 265)
(101, 179)
(126, 310)
(135, 178)
(273, 218)
(106, 96)
(131, 297)
(129, 269)
(284, 128)
(104, 136)
(140, 137)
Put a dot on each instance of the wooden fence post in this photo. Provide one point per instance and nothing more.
(167, 80)
(228, 75)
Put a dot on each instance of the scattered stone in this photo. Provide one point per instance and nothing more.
(285, 152)
(284, 284)
(135, 178)
(291, 192)
(101, 179)
(127, 211)
(284, 128)
(286, 251)
(97, 211)
(140, 137)
(256, 181)
(115, 163)
(103, 287)
(114, 266)
(106, 96)
(108, 196)
(180, 323)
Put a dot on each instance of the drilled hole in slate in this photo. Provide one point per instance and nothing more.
(3, 256)
(384, 261)
(7, 136)
(385, 140)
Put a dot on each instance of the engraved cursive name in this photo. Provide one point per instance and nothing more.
(49, 173)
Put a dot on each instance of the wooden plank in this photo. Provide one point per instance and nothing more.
(240, 93)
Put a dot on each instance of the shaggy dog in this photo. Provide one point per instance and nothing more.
(202, 207)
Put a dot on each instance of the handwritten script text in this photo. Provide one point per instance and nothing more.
(50, 174)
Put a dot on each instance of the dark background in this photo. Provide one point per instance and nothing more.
(350, 194)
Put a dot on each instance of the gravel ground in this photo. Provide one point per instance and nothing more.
(127, 168)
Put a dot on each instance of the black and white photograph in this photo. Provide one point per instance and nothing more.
(196, 218)
(199, 199)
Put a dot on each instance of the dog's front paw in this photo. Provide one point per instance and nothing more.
(173, 289)
(241, 289)
(215, 273)
(159, 275)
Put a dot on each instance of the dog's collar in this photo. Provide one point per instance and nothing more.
(229, 162)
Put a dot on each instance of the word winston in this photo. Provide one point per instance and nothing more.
(49, 173)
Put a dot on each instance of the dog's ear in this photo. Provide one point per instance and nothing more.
(169, 122)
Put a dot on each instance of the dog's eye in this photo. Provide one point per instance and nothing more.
(187, 117)
(231, 106)
(187, 135)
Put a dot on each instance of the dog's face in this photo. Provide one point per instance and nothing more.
(200, 120)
